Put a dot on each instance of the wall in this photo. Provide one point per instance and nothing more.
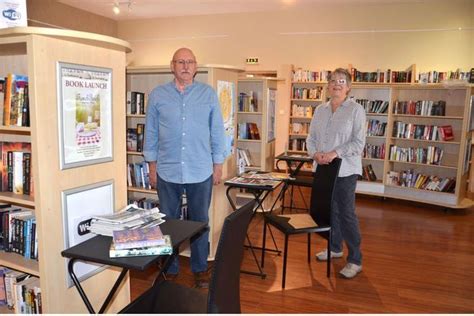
(370, 36)
(230, 38)
(49, 13)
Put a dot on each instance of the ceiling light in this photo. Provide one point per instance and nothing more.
(116, 7)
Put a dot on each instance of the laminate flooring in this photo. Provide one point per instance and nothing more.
(417, 258)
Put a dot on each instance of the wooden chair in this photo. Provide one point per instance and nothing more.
(317, 221)
(224, 290)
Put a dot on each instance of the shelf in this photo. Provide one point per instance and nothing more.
(308, 100)
(26, 130)
(18, 262)
(373, 159)
(415, 189)
(20, 199)
(430, 116)
(424, 164)
(4, 310)
(249, 140)
(374, 182)
(376, 114)
(135, 153)
(381, 137)
(309, 82)
(301, 135)
(301, 117)
(142, 190)
(249, 113)
(136, 115)
(427, 141)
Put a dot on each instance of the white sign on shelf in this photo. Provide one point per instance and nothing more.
(13, 13)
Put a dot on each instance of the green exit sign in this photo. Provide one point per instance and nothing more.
(251, 61)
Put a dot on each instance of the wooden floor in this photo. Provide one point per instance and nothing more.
(416, 259)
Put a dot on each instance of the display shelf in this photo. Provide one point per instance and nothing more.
(20, 263)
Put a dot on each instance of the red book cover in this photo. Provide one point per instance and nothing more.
(447, 132)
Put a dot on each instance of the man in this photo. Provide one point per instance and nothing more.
(338, 130)
(185, 148)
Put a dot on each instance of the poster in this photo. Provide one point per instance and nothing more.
(85, 115)
(271, 115)
(225, 93)
(78, 206)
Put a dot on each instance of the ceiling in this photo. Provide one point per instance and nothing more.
(147, 9)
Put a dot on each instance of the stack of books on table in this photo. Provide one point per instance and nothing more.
(130, 217)
(143, 241)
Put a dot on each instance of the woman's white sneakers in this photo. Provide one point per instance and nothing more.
(350, 270)
(323, 255)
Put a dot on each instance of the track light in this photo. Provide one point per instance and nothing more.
(116, 7)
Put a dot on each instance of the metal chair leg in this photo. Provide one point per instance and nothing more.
(263, 242)
(285, 256)
(328, 272)
(309, 247)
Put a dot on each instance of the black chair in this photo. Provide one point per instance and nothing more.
(317, 221)
(224, 290)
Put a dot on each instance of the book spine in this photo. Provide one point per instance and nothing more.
(137, 252)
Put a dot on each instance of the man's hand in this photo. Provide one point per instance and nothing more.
(152, 165)
(217, 174)
(325, 158)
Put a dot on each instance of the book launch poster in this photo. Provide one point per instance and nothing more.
(85, 115)
(225, 93)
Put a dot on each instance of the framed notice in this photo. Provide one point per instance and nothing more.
(78, 206)
(271, 114)
(85, 115)
(225, 93)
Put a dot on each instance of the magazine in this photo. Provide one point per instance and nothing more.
(166, 249)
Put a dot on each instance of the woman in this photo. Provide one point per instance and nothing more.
(338, 130)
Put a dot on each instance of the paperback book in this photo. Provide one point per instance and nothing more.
(165, 249)
(138, 237)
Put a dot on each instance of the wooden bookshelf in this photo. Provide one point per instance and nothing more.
(145, 79)
(457, 100)
(35, 52)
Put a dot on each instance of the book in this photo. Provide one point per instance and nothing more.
(166, 249)
(6, 147)
(131, 139)
(446, 132)
(249, 182)
(3, 86)
(140, 136)
(138, 238)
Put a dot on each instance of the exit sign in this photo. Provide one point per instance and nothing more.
(251, 61)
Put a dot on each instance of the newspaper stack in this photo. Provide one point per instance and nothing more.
(130, 217)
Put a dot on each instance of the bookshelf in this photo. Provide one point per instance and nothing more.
(35, 52)
(455, 151)
(256, 108)
(144, 79)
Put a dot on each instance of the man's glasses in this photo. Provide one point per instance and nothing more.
(338, 81)
(183, 62)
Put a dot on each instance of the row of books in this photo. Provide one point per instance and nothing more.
(299, 128)
(20, 291)
(380, 76)
(14, 101)
(248, 130)
(18, 232)
(142, 202)
(136, 138)
(244, 155)
(411, 179)
(15, 168)
(135, 102)
(434, 76)
(373, 106)
(138, 175)
(375, 127)
(248, 102)
(374, 151)
(302, 110)
(130, 217)
(421, 107)
(424, 132)
(141, 241)
(300, 75)
(297, 144)
(307, 93)
(368, 173)
(431, 155)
